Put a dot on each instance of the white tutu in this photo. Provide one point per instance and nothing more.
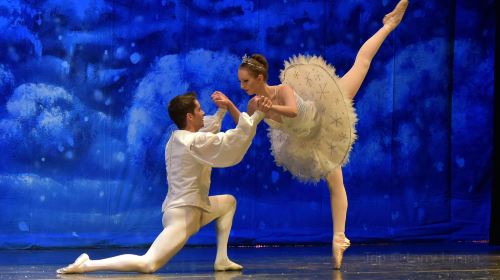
(320, 138)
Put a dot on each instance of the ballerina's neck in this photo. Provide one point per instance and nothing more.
(269, 92)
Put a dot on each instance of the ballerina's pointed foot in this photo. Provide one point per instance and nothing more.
(392, 19)
(339, 247)
(75, 267)
(227, 265)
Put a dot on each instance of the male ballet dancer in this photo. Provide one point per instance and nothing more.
(190, 154)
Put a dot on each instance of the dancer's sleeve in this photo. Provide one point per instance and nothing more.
(213, 123)
(225, 149)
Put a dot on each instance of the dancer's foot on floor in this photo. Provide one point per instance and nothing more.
(226, 265)
(76, 267)
(340, 244)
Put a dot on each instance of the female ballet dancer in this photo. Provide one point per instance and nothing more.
(312, 119)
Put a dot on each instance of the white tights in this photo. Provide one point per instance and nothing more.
(179, 224)
(351, 82)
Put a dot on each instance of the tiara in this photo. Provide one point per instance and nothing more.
(248, 60)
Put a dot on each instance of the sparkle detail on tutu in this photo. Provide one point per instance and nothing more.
(320, 138)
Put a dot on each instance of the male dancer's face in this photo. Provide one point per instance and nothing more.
(196, 118)
(248, 83)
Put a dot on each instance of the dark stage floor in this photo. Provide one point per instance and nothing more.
(389, 261)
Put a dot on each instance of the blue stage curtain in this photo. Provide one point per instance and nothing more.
(84, 87)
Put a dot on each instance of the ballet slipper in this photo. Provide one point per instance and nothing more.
(392, 19)
(226, 265)
(75, 267)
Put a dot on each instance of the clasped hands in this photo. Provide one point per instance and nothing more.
(264, 104)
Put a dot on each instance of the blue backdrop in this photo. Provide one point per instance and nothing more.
(83, 124)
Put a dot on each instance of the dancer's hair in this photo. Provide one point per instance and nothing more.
(179, 106)
(256, 64)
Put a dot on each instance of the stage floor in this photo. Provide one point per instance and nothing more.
(386, 261)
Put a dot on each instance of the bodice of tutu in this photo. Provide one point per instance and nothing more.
(303, 125)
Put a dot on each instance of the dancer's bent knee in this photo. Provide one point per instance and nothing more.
(148, 266)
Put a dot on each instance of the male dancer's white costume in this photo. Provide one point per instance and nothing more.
(190, 157)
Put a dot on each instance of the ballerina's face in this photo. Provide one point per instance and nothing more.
(248, 82)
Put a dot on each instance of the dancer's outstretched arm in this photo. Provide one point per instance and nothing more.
(223, 101)
(226, 148)
(213, 123)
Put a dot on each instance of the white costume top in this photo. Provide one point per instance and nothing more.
(190, 156)
(319, 139)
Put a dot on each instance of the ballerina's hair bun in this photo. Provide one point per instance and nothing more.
(255, 64)
(261, 60)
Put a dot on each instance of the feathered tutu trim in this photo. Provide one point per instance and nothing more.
(312, 158)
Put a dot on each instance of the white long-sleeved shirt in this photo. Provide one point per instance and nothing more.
(190, 156)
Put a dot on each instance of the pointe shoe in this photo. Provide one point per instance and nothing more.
(74, 267)
(339, 246)
(227, 266)
(392, 19)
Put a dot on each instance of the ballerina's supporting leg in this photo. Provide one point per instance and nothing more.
(338, 202)
(352, 80)
(181, 223)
